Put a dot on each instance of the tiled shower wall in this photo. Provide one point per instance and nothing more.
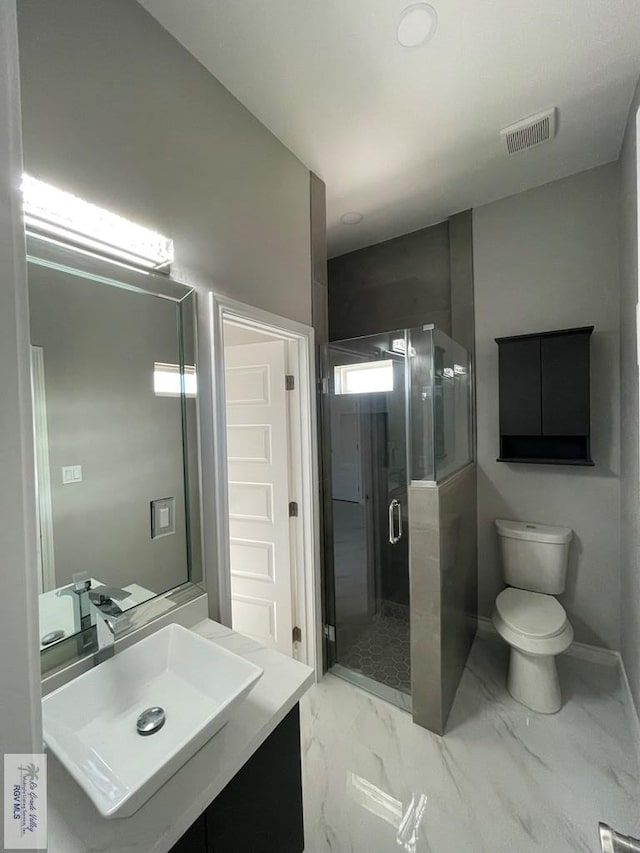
(443, 577)
(397, 284)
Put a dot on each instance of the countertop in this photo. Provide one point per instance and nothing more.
(76, 827)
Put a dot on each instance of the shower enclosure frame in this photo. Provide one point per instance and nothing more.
(402, 342)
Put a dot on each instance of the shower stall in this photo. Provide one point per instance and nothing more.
(397, 418)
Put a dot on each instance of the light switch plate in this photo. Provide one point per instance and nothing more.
(163, 517)
(71, 474)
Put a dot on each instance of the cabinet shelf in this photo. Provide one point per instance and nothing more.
(583, 463)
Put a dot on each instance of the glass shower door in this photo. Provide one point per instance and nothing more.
(366, 427)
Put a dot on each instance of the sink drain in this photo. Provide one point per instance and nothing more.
(53, 637)
(151, 721)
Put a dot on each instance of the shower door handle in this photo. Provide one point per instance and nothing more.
(399, 508)
(393, 536)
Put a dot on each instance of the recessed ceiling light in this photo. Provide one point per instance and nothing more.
(351, 218)
(417, 25)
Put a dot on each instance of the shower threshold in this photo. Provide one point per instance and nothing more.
(390, 694)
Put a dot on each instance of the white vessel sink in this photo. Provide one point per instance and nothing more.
(90, 723)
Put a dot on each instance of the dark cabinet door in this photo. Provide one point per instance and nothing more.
(565, 384)
(194, 840)
(260, 810)
(520, 394)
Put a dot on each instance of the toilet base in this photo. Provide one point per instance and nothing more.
(533, 681)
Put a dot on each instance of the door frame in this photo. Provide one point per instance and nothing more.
(44, 505)
(301, 345)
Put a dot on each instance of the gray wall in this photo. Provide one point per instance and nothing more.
(102, 413)
(548, 259)
(20, 726)
(318, 212)
(629, 488)
(117, 111)
(397, 284)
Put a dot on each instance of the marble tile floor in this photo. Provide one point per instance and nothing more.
(502, 780)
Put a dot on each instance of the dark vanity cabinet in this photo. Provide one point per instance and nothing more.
(545, 398)
(260, 810)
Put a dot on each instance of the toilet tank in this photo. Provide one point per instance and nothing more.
(534, 556)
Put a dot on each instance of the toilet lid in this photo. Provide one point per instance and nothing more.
(531, 613)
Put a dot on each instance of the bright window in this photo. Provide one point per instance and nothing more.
(364, 378)
(166, 380)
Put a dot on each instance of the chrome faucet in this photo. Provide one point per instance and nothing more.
(104, 607)
(77, 591)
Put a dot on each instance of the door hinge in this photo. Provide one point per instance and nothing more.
(290, 382)
(293, 509)
(330, 633)
(297, 635)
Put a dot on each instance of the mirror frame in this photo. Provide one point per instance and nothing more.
(51, 254)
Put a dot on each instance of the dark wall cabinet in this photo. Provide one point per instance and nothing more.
(260, 810)
(545, 398)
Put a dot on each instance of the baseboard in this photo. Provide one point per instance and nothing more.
(596, 654)
(632, 711)
(485, 627)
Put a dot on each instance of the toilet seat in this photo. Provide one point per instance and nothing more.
(533, 614)
(532, 622)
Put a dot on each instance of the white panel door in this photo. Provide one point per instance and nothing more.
(259, 524)
(346, 448)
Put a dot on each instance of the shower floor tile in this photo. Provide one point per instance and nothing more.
(381, 652)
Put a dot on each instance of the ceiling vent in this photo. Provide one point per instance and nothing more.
(530, 132)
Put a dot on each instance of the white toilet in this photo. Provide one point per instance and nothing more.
(526, 614)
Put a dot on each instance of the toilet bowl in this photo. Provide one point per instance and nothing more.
(536, 628)
(528, 616)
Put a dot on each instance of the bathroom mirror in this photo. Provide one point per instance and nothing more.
(114, 386)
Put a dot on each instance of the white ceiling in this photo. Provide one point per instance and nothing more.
(409, 136)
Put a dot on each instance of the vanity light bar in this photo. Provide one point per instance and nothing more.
(49, 210)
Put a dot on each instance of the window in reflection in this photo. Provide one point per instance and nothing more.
(166, 380)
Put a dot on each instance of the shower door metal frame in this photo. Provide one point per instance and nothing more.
(330, 649)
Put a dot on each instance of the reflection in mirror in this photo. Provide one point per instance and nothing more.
(115, 426)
